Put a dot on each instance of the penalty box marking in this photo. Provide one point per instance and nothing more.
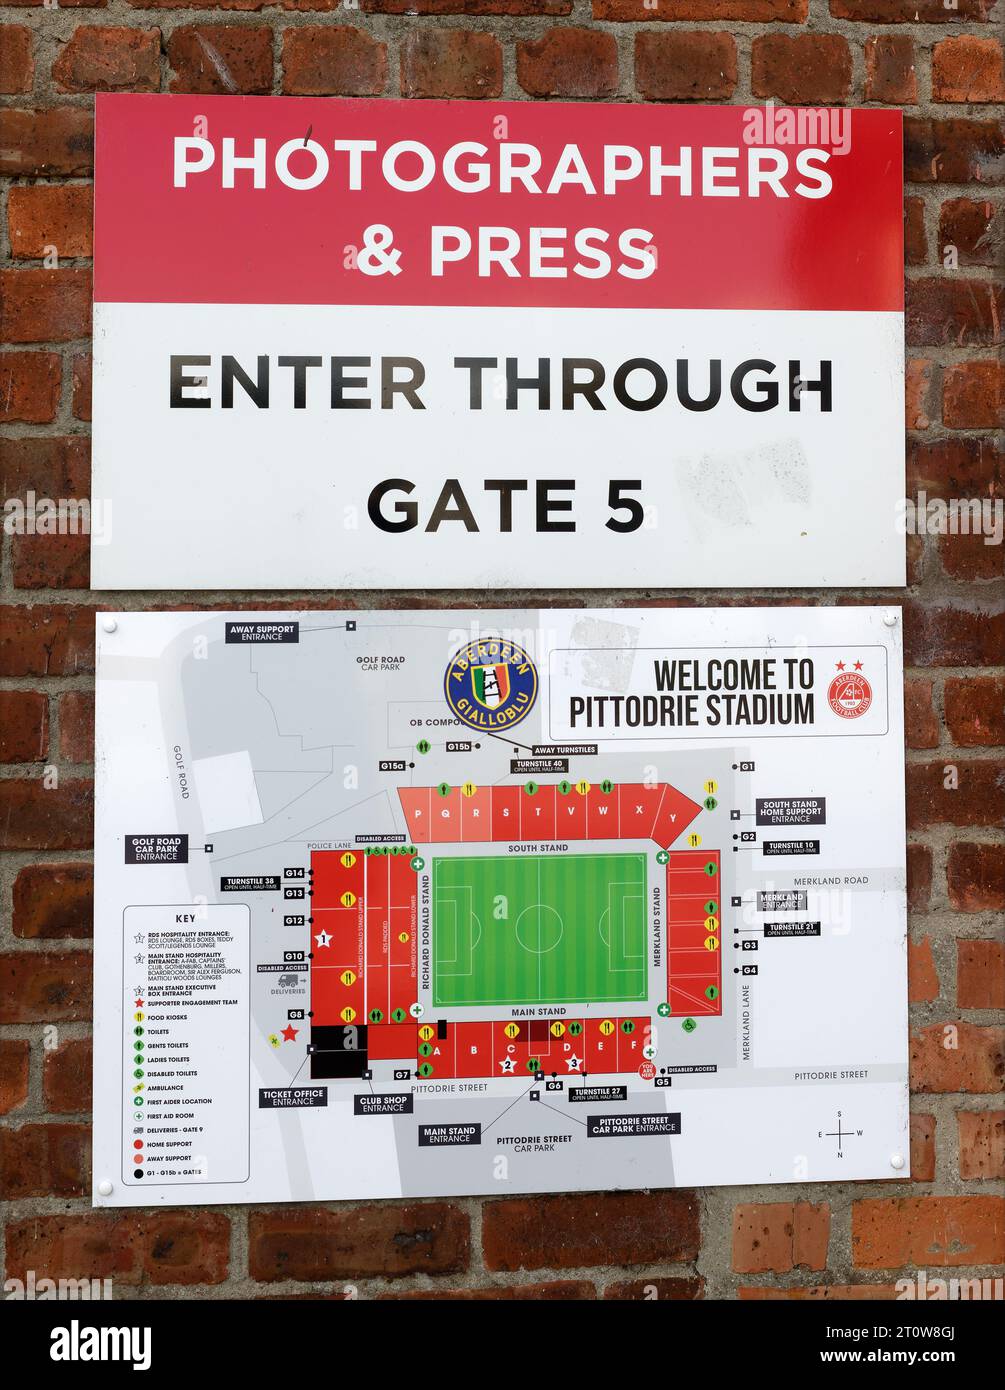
(445, 898)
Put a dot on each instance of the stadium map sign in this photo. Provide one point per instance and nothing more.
(435, 902)
(496, 345)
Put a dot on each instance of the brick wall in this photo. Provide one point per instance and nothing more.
(943, 63)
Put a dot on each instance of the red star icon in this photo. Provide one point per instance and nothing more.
(289, 1033)
(139, 1003)
(858, 665)
(840, 665)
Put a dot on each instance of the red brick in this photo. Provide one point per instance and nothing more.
(145, 1247)
(48, 215)
(957, 1056)
(758, 11)
(225, 58)
(30, 384)
(977, 799)
(919, 877)
(974, 230)
(45, 987)
(107, 58)
(588, 1229)
(954, 151)
(966, 556)
(59, 140)
(24, 726)
(980, 974)
(46, 640)
(537, 9)
(918, 393)
(982, 1144)
(685, 67)
(890, 73)
(17, 66)
(916, 559)
(15, 1058)
(568, 62)
(920, 720)
(912, 11)
(38, 306)
(82, 386)
(966, 68)
(659, 1290)
(53, 901)
(66, 1078)
(890, 1233)
(963, 473)
(450, 63)
(778, 1236)
(953, 312)
(954, 468)
(51, 562)
(820, 1293)
(922, 976)
(34, 817)
(561, 1291)
(973, 396)
(76, 726)
(922, 1148)
(975, 711)
(358, 1242)
(915, 237)
(975, 877)
(801, 68)
(50, 466)
(337, 60)
(51, 1160)
(955, 633)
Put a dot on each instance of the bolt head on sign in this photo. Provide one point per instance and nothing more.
(604, 231)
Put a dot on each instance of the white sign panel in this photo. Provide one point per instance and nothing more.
(344, 344)
(414, 903)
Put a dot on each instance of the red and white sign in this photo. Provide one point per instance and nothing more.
(414, 344)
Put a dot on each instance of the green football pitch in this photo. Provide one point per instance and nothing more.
(554, 929)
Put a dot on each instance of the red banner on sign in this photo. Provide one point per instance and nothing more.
(279, 200)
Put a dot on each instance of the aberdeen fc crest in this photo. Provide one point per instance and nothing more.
(849, 693)
(491, 684)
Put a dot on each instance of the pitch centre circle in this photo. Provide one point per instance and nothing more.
(539, 928)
